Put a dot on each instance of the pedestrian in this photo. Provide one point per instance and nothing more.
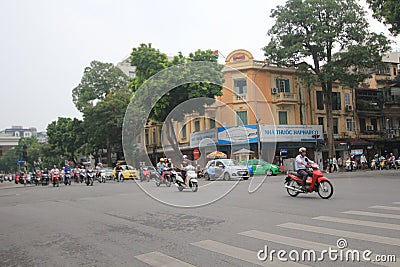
(363, 161)
(335, 167)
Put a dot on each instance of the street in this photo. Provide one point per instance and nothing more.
(118, 224)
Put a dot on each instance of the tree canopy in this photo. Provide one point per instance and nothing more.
(331, 39)
(388, 12)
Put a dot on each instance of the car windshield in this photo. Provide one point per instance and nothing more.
(230, 162)
(130, 168)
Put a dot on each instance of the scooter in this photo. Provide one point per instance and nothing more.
(317, 183)
(192, 183)
(101, 176)
(45, 179)
(145, 174)
(89, 177)
(55, 179)
(67, 178)
(351, 166)
(166, 180)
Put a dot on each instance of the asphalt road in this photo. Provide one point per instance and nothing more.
(116, 224)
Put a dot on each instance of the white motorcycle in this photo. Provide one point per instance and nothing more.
(191, 175)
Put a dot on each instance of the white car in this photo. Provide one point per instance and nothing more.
(227, 169)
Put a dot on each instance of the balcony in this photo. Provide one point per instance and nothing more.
(284, 98)
(368, 104)
(239, 97)
(383, 77)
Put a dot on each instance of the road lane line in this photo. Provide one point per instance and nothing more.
(306, 245)
(341, 233)
(372, 214)
(358, 222)
(158, 259)
(240, 253)
(397, 203)
(385, 207)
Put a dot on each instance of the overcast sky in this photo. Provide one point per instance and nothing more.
(46, 44)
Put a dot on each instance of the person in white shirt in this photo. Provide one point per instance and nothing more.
(301, 164)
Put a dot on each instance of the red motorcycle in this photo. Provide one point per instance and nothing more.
(317, 183)
(55, 180)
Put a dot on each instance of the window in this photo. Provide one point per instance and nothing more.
(394, 71)
(347, 99)
(184, 132)
(27, 134)
(350, 125)
(197, 126)
(363, 127)
(241, 118)
(240, 86)
(16, 134)
(283, 85)
(336, 105)
(374, 122)
(147, 137)
(154, 136)
(212, 123)
(321, 122)
(283, 118)
(320, 100)
(335, 125)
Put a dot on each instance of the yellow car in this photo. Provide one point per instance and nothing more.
(128, 171)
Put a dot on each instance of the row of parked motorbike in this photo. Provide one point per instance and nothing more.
(55, 179)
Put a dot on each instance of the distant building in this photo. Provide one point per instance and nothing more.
(7, 142)
(19, 131)
(127, 68)
(42, 137)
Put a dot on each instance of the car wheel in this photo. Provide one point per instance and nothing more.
(207, 177)
(268, 172)
(227, 177)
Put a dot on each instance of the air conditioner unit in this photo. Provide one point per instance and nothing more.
(274, 91)
(370, 127)
(349, 108)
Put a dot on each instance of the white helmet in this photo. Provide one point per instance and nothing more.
(302, 149)
(184, 156)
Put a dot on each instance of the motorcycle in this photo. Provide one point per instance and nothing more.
(351, 165)
(89, 177)
(67, 178)
(101, 176)
(145, 174)
(166, 180)
(192, 183)
(37, 179)
(55, 180)
(317, 183)
(374, 164)
(119, 176)
(45, 179)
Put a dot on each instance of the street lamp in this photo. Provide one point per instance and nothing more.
(256, 106)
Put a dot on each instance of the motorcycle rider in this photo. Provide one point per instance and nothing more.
(184, 165)
(301, 164)
(392, 161)
(67, 169)
(118, 171)
(160, 168)
(54, 171)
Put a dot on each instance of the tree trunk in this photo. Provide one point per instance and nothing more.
(327, 93)
(109, 163)
(172, 139)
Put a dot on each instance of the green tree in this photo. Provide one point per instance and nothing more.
(329, 38)
(388, 12)
(9, 160)
(66, 136)
(103, 123)
(157, 62)
(97, 82)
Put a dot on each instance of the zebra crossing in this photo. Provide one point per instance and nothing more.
(156, 258)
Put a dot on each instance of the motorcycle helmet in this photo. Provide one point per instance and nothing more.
(161, 159)
(302, 149)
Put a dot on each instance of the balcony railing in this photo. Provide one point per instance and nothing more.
(284, 97)
(239, 97)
